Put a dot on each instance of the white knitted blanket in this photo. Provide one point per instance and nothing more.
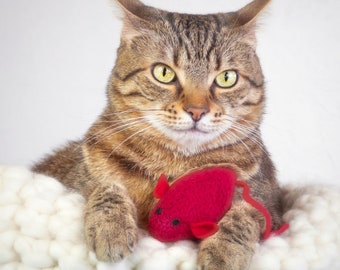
(41, 228)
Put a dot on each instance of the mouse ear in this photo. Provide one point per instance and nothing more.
(203, 229)
(162, 187)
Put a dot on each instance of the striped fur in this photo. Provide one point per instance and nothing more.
(148, 128)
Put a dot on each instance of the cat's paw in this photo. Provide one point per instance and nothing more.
(111, 230)
(111, 240)
(216, 254)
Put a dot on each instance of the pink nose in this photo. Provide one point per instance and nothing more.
(196, 112)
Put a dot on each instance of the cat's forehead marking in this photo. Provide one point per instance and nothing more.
(196, 38)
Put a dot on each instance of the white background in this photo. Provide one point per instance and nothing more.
(56, 56)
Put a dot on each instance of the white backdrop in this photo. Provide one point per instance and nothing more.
(56, 56)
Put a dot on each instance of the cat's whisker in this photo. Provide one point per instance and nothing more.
(114, 129)
(229, 134)
(116, 113)
(117, 121)
(120, 128)
(120, 113)
(128, 138)
(102, 131)
(247, 131)
(251, 131)
(250, 135)
(235, 119)
(254, 137)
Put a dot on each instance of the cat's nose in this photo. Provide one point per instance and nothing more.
(196, 112)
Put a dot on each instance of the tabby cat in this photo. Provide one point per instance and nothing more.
(187, 91)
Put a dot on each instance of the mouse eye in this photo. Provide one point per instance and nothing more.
(158, 211)
(175, 222)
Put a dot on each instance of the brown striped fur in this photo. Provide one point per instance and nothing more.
(149, 128)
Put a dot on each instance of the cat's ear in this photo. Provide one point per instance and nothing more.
(245, 20)
(137, 17)
(248, 14)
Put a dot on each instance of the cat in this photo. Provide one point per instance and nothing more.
(187, 91)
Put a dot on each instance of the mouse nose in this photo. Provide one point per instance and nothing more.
(196, 112)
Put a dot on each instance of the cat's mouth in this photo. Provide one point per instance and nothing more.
(196, 130)
(199, 128)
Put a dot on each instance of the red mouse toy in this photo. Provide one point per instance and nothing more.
(192, 206)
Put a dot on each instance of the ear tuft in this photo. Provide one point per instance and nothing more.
(249, 13)
(136, 10)
(137, 17)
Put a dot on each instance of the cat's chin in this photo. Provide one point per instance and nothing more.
(192, 141)
(191, 138)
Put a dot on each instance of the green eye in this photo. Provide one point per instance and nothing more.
(226, 79)
(163, 73)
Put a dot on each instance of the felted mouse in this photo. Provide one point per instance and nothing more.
(192, 206)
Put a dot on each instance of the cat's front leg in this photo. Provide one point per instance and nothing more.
(233, 246)
(110, 223)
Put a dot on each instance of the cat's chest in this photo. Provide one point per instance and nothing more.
(174, 165)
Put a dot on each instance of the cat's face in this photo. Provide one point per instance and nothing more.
(193, 80)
